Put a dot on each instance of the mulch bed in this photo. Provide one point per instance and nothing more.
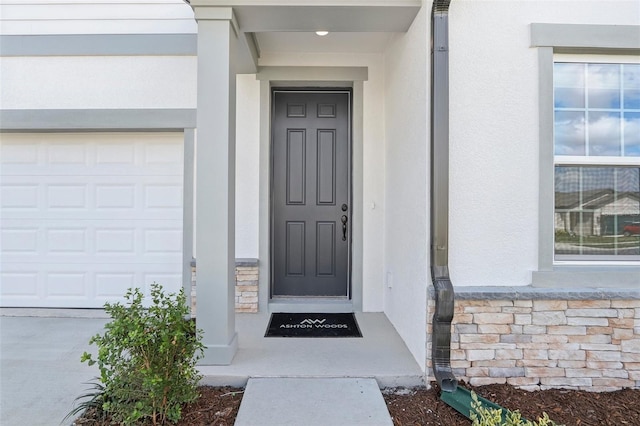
(422, 407)
(215, 407)
(571, 408)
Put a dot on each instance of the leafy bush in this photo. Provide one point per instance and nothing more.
(482, 416)
(147, 359)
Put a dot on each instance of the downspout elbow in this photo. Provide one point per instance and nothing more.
(441, 334)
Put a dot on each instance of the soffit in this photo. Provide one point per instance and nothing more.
(355, 26)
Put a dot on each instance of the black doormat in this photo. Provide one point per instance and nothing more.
(313, 325)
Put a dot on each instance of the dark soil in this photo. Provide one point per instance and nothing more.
(422, 407)
(571, 408)
(215, 407)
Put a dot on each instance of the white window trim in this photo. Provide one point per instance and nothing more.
(569, 160)
(551, 40)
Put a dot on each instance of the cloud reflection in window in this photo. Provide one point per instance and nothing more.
(597, 109)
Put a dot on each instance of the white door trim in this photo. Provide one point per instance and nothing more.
(352, 77)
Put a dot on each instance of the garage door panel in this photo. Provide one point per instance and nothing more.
(18, 152)
(67, 153)
(87, 216)
(163, 196)
(66, 196)
(91, 197)
(158, 241)
(72, 284)
(22, 284)
(19, 240)
(66, 241)
(115, 196)
(133, 154)
(15, 169)
(116, 153)
(114, 284)
(162, 154)
(18, 197)
(169, 280)
(82, 285)
(110, 241)
(84, 241)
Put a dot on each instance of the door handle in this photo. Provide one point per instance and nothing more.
(344, 220)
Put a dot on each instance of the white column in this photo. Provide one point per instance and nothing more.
(215, 187)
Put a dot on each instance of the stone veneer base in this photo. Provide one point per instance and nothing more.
(246, 286)
(533, 338)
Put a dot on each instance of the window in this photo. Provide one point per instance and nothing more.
(571, 267)
(597, 161)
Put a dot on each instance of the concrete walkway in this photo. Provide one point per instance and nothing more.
(313, 402)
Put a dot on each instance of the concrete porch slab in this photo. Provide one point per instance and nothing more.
(311, 402)
(380, 354)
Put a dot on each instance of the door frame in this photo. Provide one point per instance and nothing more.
(313, 90)
(340, 78)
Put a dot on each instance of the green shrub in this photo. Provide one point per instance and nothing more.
(482, 416)
(147, 359)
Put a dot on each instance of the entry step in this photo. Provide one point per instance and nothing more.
(313, 402)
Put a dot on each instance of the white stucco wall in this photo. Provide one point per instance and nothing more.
(59, 82)
(494, 131)
(96, 17)
(406, 223)
(247, 165)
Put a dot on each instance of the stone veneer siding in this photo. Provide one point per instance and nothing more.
(541, 338)
(246, 286)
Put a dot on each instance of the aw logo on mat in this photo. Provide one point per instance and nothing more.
(312, 325)
(313, 321)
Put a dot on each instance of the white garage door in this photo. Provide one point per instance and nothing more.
(84, 216)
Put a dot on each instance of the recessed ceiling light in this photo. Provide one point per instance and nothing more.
(322, 33)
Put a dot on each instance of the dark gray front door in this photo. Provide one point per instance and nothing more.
(311, 210)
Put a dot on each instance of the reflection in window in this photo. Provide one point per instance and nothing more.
(597, 212)
(631, 125)
(597, 109)
(597, 161)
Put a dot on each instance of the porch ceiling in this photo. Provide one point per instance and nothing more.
(309, 42)
(359, 26)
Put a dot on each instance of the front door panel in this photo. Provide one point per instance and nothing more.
(311, 211)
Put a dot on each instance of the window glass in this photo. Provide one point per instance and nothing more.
(597, 161)
(632, 133)
(568, 88)
(597, 211)
(570, 133)
(603, 82)
(604, 133)
(631, 86)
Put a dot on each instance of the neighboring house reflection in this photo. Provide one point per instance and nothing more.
(595, 212)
